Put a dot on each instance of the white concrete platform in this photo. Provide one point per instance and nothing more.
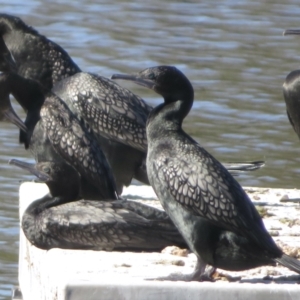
(75, 274)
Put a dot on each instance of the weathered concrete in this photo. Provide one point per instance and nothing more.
(74, 274)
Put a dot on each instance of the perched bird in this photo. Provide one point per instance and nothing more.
(55, 134)
(209, 207)
(291, 92)
(36, 57)
(119, 125)
(57, 221)
(117, 116)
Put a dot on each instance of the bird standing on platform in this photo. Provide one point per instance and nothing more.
(209, 207)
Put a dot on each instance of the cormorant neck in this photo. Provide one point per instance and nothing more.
(47, 201)
(27, 92)
(168, 116)
(66, 191)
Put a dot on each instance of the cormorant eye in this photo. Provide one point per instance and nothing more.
(152, 76)
(46, 170)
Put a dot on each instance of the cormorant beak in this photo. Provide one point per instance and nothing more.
(11, 116)
(291, 32)
(135, 78)
(7, 62)
(30, 168)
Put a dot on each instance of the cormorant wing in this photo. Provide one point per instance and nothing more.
(99, 225)
(203, 186)
(109, 109)
(76, 145)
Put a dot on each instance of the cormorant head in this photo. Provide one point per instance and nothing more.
(167, 81)
(6, 110)
(61, 178)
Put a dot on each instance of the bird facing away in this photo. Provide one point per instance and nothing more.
(55, 134)
(209, 207)
(36, 57)
(116, 115)
(291, 92)
(57, 221)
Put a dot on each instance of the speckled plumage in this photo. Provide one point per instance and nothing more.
(76, 145)
(41, 59)
(97, 225)
(209, 207)
(116, 115)
(58, 221)
(109, 110)
(36, 57)
(55, 134)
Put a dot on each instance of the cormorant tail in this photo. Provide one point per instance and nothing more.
(236, 168)
(289, 262)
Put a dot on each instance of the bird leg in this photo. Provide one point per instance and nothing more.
(202, 272)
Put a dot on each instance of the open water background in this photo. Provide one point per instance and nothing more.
(233, 53)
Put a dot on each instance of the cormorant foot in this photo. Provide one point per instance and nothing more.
(197, 275)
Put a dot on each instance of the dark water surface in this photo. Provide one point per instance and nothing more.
(233, 53)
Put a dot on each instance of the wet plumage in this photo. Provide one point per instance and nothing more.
(205, 202)
(58, 221)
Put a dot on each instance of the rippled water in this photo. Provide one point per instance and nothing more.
(233, 53)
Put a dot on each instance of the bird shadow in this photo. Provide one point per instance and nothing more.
(285, 279)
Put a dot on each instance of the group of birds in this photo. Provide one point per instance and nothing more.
(90, 137)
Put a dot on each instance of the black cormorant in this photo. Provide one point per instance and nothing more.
(117, 116)
(208, 206)
(42, 60)
(36, 57)
(57, 221)
(54, 133)
(291, 92)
